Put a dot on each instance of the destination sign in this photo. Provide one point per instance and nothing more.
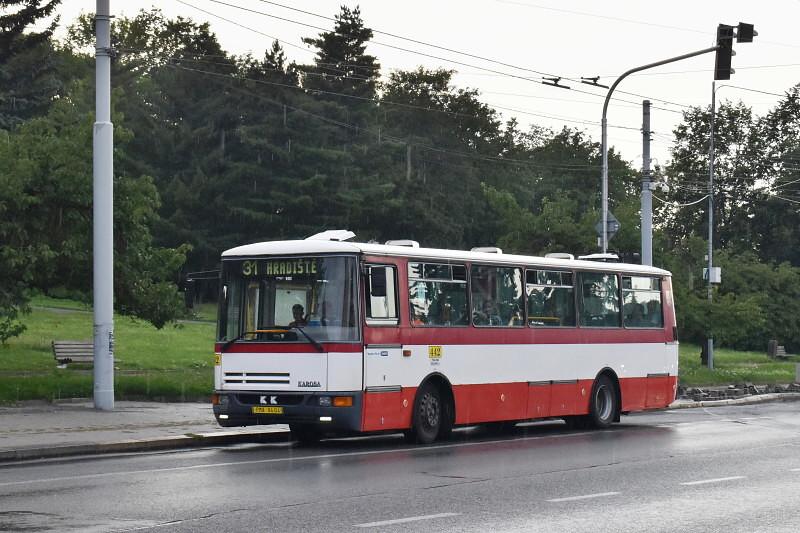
(280, 267)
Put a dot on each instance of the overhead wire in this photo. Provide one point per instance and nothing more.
(676, 204)
(526, 78)
(362, 98)
(440, 47)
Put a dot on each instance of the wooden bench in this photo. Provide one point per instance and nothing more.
(775, 350)
(65, 352)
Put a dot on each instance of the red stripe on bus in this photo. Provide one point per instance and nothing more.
(497, 402)
(275, 347)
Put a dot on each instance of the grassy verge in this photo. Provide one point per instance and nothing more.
(174, 363)
(732, 367)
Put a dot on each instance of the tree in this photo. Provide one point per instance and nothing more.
(739, 165)
(341, 64)
(553, 205)
(27, 61)
(776, 217)
(46, 202)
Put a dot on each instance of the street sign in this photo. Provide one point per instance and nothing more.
(612, 226)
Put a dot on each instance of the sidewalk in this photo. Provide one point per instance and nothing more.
(42, 430)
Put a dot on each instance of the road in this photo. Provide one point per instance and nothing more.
(718, 469)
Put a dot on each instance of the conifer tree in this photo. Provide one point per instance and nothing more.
(27, 83)
(341, 64)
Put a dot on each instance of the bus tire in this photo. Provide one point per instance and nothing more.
(603, 403)
(304, 433)
(429, 414)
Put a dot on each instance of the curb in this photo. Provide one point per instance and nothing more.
(748, 400)
(140, 445)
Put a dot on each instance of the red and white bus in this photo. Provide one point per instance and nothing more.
(331, 336)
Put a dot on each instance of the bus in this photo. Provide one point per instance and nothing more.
(331, 336)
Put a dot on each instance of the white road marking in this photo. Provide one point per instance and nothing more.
(715, 480)
(404, 520)
(290, 459)
(584, 497)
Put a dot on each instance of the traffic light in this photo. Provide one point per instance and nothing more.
(722, 64)
(745, 33)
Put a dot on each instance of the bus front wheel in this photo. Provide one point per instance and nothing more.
(428, 414)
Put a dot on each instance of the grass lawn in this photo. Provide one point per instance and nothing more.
(176, 362)
(732, 367)
(173, 363)
(205, 311)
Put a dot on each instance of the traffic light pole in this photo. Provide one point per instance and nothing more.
(604, 127)
(710, 339)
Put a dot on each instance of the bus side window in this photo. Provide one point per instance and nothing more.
(381, 295)
(497, 296)
(599, 300)
(437, 294)
(551, 298)
(642, 302)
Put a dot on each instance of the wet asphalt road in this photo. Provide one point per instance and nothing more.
(717, 469)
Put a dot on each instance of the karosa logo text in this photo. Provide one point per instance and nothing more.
(308, 384)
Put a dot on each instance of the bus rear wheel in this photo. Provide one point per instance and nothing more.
(428, 414)
(603, 405)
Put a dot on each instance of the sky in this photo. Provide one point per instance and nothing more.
(538, 38)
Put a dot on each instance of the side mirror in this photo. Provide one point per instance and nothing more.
(377, 281)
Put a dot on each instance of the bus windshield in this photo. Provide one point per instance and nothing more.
(317, 294)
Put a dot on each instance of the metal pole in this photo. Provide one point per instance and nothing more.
(604, 139)
(604, 124)
(103, 197)
(711, 213)
(647, 193)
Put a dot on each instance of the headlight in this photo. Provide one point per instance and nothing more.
(325, 401)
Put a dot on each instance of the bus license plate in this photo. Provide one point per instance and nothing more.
(262, 410)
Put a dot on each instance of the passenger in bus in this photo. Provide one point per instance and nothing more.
(654, 313)
(487, 315)
(516, 317)
(637, 315)
(299, 318)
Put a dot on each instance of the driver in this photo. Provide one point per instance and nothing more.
(299, 318)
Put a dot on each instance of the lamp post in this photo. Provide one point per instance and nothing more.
(103, 217)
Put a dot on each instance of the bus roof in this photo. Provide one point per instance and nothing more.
(316, 246)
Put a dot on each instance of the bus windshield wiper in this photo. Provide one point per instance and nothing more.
(313, 341)
(275, 329)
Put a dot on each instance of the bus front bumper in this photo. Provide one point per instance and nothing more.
(233, 409)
